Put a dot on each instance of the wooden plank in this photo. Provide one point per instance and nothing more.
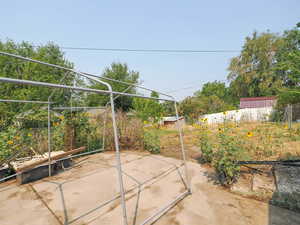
(59, 156)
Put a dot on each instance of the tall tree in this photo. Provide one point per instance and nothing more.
(251, 73)
(119, 72)
(218, 89)
(148, 109)
(193, 107)
(288, 67)
(15, 68)
(288, 58)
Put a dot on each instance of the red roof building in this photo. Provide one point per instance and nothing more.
(257, 102)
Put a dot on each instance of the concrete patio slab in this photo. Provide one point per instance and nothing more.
(88, 194)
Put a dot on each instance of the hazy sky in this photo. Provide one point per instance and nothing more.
(201, 25)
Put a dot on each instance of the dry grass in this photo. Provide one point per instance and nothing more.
(130, 131)
(268, 141)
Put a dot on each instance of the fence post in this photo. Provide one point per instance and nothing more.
(290, 115)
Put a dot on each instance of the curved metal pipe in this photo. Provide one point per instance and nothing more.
(111, 93)
(86, 75)
(113, 120)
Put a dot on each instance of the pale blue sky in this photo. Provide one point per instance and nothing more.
(169, 24)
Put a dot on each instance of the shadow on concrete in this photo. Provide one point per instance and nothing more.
(285, 202)
(282, 210)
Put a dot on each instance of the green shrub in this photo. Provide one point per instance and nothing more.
(152, 141)
(13, 140)
(30, 137)
(277, 115)
(206, 147)
(224, 153)
(224, 159)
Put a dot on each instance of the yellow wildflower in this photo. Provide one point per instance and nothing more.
(62, 117)
(29, 135)
(249, 134)
(225, 113)
(10, 142)
(269, 138)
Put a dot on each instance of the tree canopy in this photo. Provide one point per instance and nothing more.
(268, 65)
(121, 72)
(15, 68)
(148, 109)
(251, 74)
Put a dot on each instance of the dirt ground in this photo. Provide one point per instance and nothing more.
(89, 194)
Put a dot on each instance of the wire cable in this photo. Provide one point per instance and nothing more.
(147, 50)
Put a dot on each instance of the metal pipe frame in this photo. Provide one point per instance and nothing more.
(49, 125)
(77, 107)
(89, 76)
(51, 85)
(24, 101)
(111, 94)
(132, 84)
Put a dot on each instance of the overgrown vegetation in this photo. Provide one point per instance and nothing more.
(151, 141)
(134, 134)
(223, 145)
(130, 131)
(148, 110)
(28, 135)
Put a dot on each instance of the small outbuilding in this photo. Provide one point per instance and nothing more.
(257, 102)
(171, 121)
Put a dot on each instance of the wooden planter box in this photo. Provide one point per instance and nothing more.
(41, 171)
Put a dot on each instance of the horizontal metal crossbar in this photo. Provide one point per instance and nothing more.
(77, 107)
(51, 85)
(24, 101)
(87, 75)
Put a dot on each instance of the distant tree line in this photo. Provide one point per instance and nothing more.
(268, 65)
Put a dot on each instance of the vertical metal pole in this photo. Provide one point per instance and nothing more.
(49, 140)
(118, 158)
(187, 180)
(291, 120)
(289, 116)
(104, 129)
(105, 116)
(49, 125)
